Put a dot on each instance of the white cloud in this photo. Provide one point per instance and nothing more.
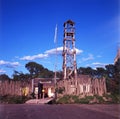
(78, 51)
(59, 51)
(2, 71)
(54, 51)
(98, 64)
(47, 53)
(90, 57)
(39, 56)
(9, 64)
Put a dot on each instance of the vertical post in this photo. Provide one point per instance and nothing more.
(43, 91)
(32, 85)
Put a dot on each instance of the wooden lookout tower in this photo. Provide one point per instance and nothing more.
(69, 51)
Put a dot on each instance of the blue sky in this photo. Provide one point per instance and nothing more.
(27, 29)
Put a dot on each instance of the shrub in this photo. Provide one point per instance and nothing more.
(75, 99)
(68, 99)
(64, 100)
(112, 98)
(60, 90)
(83, 101)
(86, 99)
(13, 99)
(115, 98)
(99, 98)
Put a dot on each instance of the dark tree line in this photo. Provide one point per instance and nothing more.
(111, 72)
(35, 71)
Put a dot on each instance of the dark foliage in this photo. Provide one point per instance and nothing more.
(13, 99)
(4, 77)
(37, 70)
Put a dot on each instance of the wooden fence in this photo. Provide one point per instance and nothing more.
(80, 86)
(83, 86)
(10, 87)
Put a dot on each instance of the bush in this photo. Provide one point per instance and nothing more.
(112, 98)
(106, 99)
(13, 99)
(83, 101)
(64, 100)
(75, 99)
(69, 99)
(115, 98)
(60, 90)
(99, 98)
(86, 99)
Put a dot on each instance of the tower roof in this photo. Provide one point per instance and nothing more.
(69, 22)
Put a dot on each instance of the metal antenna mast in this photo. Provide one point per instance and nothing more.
(69, 51)
(55, 41)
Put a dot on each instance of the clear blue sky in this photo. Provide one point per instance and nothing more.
(27, 30)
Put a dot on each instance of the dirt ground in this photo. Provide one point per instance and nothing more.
(67, 111)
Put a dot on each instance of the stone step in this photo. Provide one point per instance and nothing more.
(39, 101)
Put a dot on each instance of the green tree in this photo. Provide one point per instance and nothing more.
(113, 77)
(45, 73)
(20, 76)
(101, 72)
(110, 70)
(37, 70)
(87, 71)
(117, 76)
(117, 70)
(34, 68)
(4, 77)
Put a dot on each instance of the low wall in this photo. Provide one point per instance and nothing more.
(83, 86)
(11, 87)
